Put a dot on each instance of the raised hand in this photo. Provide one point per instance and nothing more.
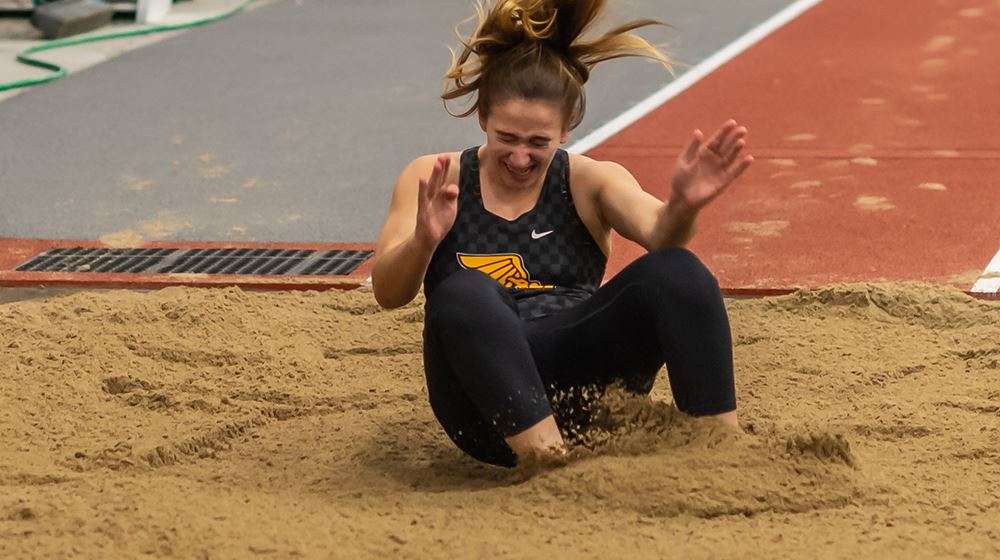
(437, 204)
(705, 169)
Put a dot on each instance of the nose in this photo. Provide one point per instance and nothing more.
(520, 158)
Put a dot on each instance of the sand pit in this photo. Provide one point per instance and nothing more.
(232, 424)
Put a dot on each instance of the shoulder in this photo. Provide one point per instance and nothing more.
(603, 189)
(426, 161)
(588, 179)
(421, 167)
(591, 175)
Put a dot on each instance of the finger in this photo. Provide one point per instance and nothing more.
(450, 191)
(730, 142)
(727, 138)
(734, 152)
(692, 149)
(423, 193)
(715, 142)
(739, 167)
(434, 182)
(445, 165)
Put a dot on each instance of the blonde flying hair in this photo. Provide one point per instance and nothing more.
(532, 49)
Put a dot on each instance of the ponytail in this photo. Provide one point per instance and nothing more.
(532, 49)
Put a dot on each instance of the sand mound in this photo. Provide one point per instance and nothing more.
(224, 423)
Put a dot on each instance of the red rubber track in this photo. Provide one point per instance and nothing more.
(874, 126)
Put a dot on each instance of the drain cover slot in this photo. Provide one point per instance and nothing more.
(80, 259)
(242, 261)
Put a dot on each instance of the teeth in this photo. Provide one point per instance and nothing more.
(517, 172)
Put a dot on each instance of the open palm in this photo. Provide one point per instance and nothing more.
(705, 169)
(437, 203)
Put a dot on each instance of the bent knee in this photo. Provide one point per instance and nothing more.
(463, 285)
(463, 294)
(678, 268)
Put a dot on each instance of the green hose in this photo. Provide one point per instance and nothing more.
(59, 72)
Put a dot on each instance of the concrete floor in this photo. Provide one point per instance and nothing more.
(288, 122)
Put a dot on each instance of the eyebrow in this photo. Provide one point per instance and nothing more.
(535, 137)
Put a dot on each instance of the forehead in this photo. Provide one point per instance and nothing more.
(526, 117)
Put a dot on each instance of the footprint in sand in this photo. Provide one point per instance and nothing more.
(800, 137)
(767, 228)
(121, 239)
(163, 225)
(806, 184)
(861, 149)
(932, 187)
(137, 184)
(909, 122)
(783, 162)
(872, 203)
(841, 178)
(939, 43)
(933, 66)
(866, 161)
(216, 172)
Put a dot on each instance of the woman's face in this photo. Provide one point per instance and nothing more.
(521, 139)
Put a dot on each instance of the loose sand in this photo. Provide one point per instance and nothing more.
(231, 424)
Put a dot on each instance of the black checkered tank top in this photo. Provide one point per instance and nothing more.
(546, 258)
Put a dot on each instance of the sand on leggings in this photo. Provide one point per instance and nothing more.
(222, 423)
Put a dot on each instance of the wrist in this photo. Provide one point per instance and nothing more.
(678, 208)
(422, 242)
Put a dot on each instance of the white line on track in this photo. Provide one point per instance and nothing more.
(690, 77)
(989, 281)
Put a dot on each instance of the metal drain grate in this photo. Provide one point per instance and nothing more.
(257, 262)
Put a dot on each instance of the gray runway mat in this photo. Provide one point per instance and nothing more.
(285, 123)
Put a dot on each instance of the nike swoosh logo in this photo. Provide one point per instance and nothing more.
(540, 235)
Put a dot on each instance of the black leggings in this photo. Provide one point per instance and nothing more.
(491, 374)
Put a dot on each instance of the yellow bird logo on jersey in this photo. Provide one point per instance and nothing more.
(506, 268)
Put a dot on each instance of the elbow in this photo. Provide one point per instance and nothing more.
(386, 303)
(385, 298)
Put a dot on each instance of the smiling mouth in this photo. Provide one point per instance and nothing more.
(518, 173)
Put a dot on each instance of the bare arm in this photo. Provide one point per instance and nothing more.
(399, 271)
(638, 215)
(420, 214)
(702, 172)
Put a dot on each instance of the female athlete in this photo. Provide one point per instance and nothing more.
(510, 240)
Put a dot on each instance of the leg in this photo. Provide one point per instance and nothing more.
(482, 381)
(663, 308)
